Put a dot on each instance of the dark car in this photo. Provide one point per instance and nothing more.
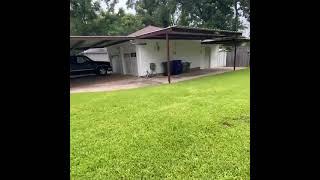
(81, 64)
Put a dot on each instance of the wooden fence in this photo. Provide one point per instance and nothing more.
(243, 57)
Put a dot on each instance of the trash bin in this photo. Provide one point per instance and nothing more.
(165, 68)
(175, 67)
(184, 67)
(188, 64)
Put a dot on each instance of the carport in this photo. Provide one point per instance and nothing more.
(80, 43)
(232, 41)
(187, 33)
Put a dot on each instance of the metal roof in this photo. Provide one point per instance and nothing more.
(181, 32)
(226, 40)
(145, 30)
(86, 42)
(150, 32)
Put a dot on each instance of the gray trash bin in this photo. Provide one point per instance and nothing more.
(188, 64)
(184, 67)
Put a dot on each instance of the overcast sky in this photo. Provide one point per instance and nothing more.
(122, 4)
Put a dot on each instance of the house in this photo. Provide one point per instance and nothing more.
(133, 54)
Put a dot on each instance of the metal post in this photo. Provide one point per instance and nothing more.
(168, 58)
(235, 55)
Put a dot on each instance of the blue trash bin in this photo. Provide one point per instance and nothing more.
(177, 67)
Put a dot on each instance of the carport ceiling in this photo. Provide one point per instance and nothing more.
(86, 42)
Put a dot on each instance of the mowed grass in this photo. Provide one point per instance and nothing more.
(197, 129)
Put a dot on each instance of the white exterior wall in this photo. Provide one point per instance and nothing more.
(126, 48)
(217, 59)
(121, 49)
(222, 59)
(214, 55)
(185, 50)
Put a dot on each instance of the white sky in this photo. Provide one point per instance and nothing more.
(122, 3)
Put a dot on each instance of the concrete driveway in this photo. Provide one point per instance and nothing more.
(108, 83)
(117, 81)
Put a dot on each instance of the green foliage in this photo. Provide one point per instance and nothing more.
(197, 129)
(218, 14)
(155, 12)
(88, 18)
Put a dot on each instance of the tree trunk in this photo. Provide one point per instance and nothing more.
(236, 15)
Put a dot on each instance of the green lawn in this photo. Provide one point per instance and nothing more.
(197, 129)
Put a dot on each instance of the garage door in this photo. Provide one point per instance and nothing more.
(130, 60)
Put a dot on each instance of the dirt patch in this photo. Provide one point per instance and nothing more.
(226, 124)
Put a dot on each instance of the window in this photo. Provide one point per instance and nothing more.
(133, 55)
(73, 60)
(126, 55)
(81, 60)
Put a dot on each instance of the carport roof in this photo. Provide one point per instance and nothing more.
(86, 42)
(226, 40)
(150, 32)
(182, 32)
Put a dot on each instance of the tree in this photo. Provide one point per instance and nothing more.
(88, 18)
(220, 14)
(245, 7)
(207, 13)
(154, 12)
(83, 14)
(110, 5)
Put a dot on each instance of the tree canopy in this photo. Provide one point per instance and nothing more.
(87, 17)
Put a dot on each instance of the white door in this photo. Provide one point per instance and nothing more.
(221, 61)
(206, 57)
(116, 64)
(134, 68)
(130, 60)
